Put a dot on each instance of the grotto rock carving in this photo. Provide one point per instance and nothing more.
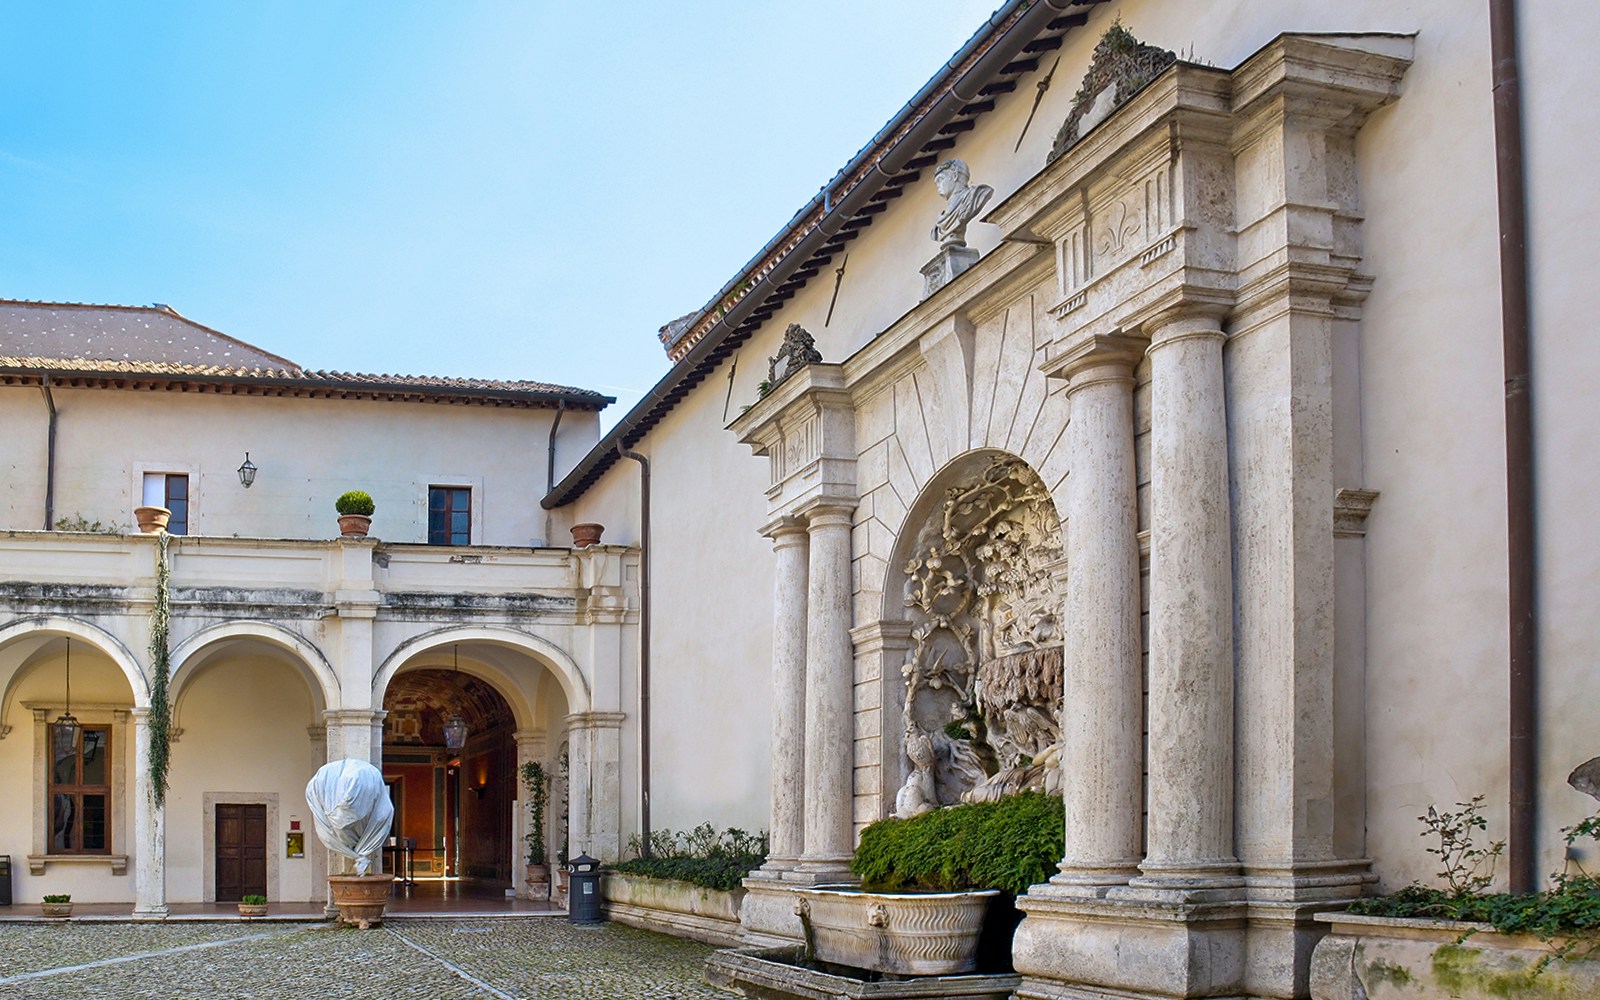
(983, 675)
(799, 349)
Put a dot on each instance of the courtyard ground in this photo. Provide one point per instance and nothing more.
(544, 958)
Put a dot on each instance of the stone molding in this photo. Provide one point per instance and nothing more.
(806, 429)
(596, 720)
(1351, 508)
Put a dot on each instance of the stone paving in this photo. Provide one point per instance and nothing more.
(543, 958)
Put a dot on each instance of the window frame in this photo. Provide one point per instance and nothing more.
(119, 719)
(78, 789)
(168, 469)
(451, 490)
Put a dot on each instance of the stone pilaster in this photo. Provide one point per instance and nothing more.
(594, 753)
(1103, 710)
(791, 546)
(149, 829)
(830, 697)
(1190, 831)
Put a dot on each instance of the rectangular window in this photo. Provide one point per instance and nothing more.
(169, 490)
(79, 796)
(449, 515)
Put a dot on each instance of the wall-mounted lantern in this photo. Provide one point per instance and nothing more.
(247, 471)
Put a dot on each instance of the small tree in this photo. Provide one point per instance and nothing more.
(538, 786)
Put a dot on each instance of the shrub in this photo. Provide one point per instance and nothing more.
(354, 502)
(253, 900)
(1006, 845)
(1571, 906)
(701, 856)
(58, 898)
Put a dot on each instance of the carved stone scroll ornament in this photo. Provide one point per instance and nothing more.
(799, 349)
(1120, 67)
(983, 674)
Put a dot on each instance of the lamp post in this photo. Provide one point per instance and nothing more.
(455, 727)
(66, 726)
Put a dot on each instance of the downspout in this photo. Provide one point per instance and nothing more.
(555, 425)
(1520, 511)
(644, 646)
(50, 457)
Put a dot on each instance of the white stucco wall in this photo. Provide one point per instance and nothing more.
(308, 452)
(1427, 413)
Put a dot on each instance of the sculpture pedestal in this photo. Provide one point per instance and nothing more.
(946, 266)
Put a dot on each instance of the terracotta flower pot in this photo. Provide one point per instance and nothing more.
(354, 525)
(361, 898)
(152, 520)
(586, 534)
(538, 882)
(252, 909)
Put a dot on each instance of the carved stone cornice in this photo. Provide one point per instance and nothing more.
(595, 720)
(806, 429)
(1350, 510)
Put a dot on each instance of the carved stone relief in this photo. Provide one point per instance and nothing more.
(1121, 65)
(983, 674)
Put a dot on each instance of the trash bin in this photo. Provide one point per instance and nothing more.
(5, 880)
(583, 899)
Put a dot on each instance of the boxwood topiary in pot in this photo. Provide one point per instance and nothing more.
(355, 509)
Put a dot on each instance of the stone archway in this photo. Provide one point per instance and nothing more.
(979, 575)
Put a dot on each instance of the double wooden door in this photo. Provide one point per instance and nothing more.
(241, 851)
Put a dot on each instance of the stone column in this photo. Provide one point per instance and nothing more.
(149, 829)
(1102, 711)
(830, 697)
(1190, 833)
(790, 544)
(355, 734)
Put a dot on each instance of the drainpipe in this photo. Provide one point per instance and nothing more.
(50, 457)
(1520, 509)
(555, 425)
(644, 645)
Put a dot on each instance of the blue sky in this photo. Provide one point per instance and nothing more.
(516, 190)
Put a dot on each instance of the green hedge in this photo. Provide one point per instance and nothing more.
(1006, 845)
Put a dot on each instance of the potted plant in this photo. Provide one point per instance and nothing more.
(1461, 939)
(538, 790)
(252, 906)
(355, 509)
(152, 520)
(933, 885)
(57, 905)
(586, 533)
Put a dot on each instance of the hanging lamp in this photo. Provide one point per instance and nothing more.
(66, 726)
(455, 727)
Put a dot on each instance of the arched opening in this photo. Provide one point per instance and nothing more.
(247, 734)
(454, 803)
(72, 788)
(979, 578)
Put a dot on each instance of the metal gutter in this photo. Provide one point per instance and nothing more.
(50, 457)
(1521, 534)
(989, 50)
(644, 646)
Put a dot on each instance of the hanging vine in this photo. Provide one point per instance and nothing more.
(160, 710)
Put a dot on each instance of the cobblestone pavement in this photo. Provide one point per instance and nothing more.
(547, 959)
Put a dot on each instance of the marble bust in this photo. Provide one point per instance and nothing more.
(963, 201)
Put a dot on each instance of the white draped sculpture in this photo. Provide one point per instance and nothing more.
(350, 805)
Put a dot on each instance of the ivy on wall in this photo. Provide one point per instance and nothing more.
(160, 709)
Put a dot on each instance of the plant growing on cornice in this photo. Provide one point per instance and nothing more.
(538, 786)
(160, 667)
(77, 522)
(355, 502)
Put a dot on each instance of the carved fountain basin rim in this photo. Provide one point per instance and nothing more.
(909, 934)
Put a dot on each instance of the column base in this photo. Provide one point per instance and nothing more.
(1102, 948)
(156, 912)
(1087, 881)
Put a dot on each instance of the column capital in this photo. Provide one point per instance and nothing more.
(595, 720)
(785, 529)
(1097, 358)
(828, 510)
(355, 716)
(1183, 321)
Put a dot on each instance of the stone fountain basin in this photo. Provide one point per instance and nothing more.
(907, 934)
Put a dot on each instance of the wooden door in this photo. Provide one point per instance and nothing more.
(241, 851)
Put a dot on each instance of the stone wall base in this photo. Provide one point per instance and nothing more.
(710, 930)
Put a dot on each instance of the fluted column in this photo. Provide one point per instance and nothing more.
(1190, 833)
(1102, 711)
(830, 696)
(790, 544)
(149, 829)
